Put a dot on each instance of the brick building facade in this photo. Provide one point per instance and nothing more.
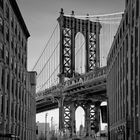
(123, 78)
(17, 85)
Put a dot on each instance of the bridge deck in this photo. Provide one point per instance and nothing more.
(90, 85)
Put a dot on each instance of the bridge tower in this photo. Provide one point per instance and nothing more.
(69, 27)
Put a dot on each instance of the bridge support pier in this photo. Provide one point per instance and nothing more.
(87, 119)
(61, 116)
(92, 118)
(68, 122)
(67, 118)
(72, 112)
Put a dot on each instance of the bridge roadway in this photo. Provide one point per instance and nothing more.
(91, 85)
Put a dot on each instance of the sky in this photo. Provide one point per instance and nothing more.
(41, 17)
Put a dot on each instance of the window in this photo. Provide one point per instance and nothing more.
(16, 29)
(12, 109)
(7, 107)
(12, 63)
(126, 2)
(123, 27)
(19, 54)
(16, 68)
(22, 42)
(12, 22)
(1, 25)
(16, 49)
(132, 40)
(132, 18)
(26, 47)
(20, 93)
(22, 59)
(16, 112)
(13, 85)
(1, 4)
(1, 50)
(19, 36)
(3, 77)
(19, 116)
(7, 34)
(25, 63)
(136, 37)
(127, 43)
(126, 20)
(120, 33)
(8, 81)
(2, 105)
(136, 65)
(24, 78)
(137, 8)
(7, 11)
(12, 42)
(16, 92)
(7, 57)
(19, 74)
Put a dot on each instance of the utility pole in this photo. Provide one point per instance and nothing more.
(46, 126)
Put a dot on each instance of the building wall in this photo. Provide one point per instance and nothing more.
(17, 85)
(123, 78)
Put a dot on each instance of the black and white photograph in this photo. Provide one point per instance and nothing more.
(69, 69)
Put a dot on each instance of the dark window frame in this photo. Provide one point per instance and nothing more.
(1, 25)
(8, 81)
(7, 11)
(1, 50)
(7, 57)
(1, 4)
(12, 22)
(7, 34)
(3, 77)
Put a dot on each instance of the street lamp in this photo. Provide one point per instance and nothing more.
(46, 126)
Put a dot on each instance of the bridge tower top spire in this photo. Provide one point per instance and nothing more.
(69, 27)
(62, 11)
(72, 13)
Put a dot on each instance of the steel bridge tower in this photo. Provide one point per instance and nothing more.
(69, 27)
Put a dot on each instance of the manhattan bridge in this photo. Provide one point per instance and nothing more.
(71, 71)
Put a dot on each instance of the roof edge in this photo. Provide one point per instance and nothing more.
(19, 17)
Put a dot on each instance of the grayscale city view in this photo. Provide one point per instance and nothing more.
(69, 69)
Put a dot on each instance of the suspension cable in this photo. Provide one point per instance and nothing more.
(49, 78)
(95, 16)
(45, 47)
(48, 60)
